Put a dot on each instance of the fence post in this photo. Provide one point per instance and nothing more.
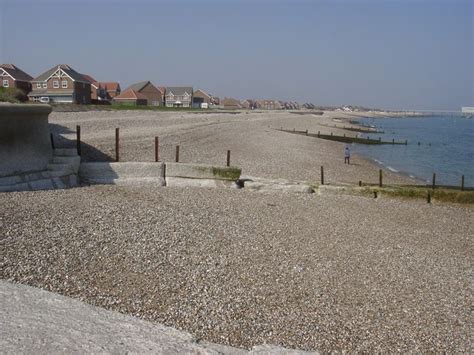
(462, 183)
(306, 132)
(117, 144)
(177, 153)
(228, 158)
(52, 140)
(360, 182)
(322, 175)
(319, 133)
(393, 140)
(406, 142)
(157, 151)
(78, 139)
(429, 197)
(434, 180)
(380, 178)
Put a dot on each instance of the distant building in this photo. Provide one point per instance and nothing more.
(231, 104)
(178, 96)
(61, 84)
(200, 97)
(268, 105)
(102, 91)
(131, 97)
(155, 96)
(467, 109)
(13, 77)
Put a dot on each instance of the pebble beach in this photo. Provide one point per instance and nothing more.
(235, 267)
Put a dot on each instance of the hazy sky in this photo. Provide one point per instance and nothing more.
(392, 54)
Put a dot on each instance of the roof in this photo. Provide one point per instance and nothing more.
(130, 94)
(139, 86)
(89, 78)
(203, 92)
(179, 90)
(15, 72)
(67, 69)
(109, 85)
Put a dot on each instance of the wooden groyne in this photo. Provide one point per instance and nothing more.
(343, 138)
(361, 129)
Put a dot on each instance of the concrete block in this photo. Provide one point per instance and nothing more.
(63, 169)
(10, 180)
(280, 185)
(201, 171)
(186, 182)
(73, 181)
(45, 184)
(17, 187)
(108, 173)
(58, 183)
(74, 161)
(65, 152)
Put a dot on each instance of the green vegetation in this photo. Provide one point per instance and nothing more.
(227, 173)
(12, 95)
(437, 195)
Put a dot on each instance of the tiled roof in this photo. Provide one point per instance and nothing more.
(89, 78)
(67, 69)
(130, 94)
(139, 86)
(109, 86)
(16, 72)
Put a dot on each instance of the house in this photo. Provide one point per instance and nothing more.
(131, 97)
(248, 104)
(178, 96)
(201, 99)
(215, 101)
(154, 95)
(13, 77)
(231, 104)
(62, 84)
(102, 91)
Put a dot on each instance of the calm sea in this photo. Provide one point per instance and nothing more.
(446, 147)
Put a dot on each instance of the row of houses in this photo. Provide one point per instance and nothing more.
(63, 84)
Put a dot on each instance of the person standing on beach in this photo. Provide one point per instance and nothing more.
(347, 155)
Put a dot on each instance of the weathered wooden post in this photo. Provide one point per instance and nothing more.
(294, 130)
(78, 139)
(331, 134)
(380, 178)
(177, 153)
(228, 158)
(117, 144)
(406, 142)
(322, 175)
(157, 149)
(52, 140)
(434, 181)
(393, 140)
(319, 133)
(429, 197)
(306, 132)
(360, 182)
(462, 183)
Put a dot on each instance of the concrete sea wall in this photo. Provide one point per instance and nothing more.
(25, 144)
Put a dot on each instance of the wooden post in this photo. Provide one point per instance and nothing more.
(78, 139)
(306, 132)
(393, 140)
(331, 133)
(157, 149)
(434, 181)
(228, 158)
(177, 153)
(380, 178)
(294, 129)
(429, 197)
(117, 144)
(380, 139)
(406, 142)
(319, 133)
(360, 182)
(462, 183)
(52, 140)
(344, 135)
(322, 175)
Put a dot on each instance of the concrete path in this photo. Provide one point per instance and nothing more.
(37, 321)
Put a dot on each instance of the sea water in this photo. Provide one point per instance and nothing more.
(437, 144)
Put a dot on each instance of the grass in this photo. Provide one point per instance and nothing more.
(437, 195)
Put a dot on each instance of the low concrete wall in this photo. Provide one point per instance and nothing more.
(200, 175)
(122, 173)
(25, 144)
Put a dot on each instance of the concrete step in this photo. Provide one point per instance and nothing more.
(65, 152)
(63, 169)
(74, 161)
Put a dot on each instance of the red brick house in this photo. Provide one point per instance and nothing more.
(230, 103)
(61, 84)
(102, 91)
(13, 77)
(155, 96)
(130, 97)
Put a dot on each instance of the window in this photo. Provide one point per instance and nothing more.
(5, 83)
(64, 84)
(56, 84)
(45, 85)
(38, 85)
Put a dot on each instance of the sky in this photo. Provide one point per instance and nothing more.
(405, 54)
